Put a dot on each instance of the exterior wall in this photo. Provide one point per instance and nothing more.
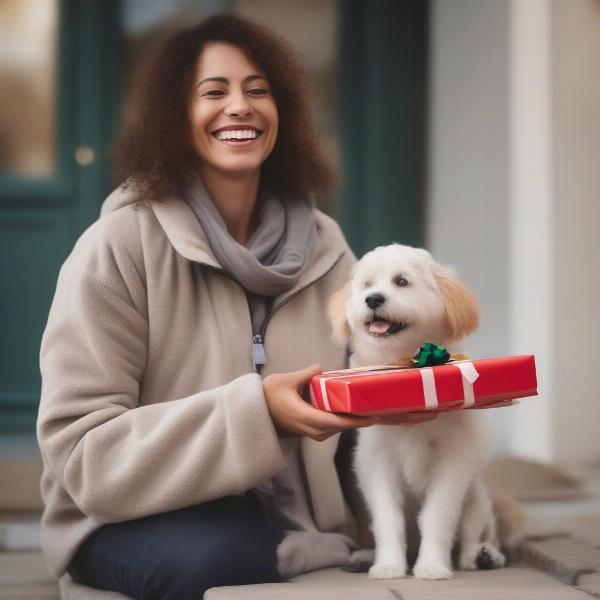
(513, 177)
(530, 239)
(576, 227)
(468, 181)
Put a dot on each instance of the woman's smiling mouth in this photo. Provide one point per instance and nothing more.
(238, 137)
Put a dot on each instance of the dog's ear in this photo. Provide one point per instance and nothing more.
(462, 309)
(336, 311)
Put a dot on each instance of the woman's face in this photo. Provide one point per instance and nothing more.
(232, 113)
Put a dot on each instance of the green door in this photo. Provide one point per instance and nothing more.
(57, 113)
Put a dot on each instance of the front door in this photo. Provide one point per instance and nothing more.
(61, 63)
(57, 114)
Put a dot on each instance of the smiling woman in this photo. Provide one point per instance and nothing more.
(233, 120)
(236, 108)
(205, 71)
(179, 453)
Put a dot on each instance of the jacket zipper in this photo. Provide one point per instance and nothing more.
(261, 335)
(258, 352)
(258, 340)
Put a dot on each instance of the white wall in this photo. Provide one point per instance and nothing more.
(530, 239)
(514, 169)
(468, 164)
(576, 228)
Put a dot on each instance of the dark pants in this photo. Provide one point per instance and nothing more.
(179, 555)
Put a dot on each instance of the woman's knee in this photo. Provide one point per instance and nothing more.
(235, 543)
(178, 555)
(228, 561)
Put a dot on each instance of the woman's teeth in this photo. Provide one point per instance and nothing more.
(238, 134)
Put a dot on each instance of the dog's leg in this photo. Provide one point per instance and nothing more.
(438, 520)
(381, 486)
(479, 548)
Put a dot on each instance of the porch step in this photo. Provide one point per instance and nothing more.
(19, 533)
(20, 485)
(24, 576)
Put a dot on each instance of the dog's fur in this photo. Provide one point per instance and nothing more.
(432, 469)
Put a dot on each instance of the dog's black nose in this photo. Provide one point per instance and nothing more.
(374, 300)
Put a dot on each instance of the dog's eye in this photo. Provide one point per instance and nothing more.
(400, 281)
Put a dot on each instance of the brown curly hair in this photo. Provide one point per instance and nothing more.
(155, 152)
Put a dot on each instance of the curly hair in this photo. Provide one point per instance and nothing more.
(155, 152)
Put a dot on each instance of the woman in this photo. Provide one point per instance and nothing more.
(178, 452)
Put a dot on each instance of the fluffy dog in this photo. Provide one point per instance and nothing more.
(428, 474)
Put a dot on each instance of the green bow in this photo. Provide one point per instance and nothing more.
(430, 355)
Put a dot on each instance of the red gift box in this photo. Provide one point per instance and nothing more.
(382, 389)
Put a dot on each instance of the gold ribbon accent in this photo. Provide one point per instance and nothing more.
(411, 362)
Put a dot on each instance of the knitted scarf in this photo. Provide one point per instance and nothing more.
(273, 259)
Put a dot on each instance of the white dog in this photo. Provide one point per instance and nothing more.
(398, 299)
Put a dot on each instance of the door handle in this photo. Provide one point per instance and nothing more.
(85, 156)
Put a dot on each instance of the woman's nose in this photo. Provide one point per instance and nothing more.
(238, 106)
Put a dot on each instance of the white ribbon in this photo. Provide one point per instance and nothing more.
(323, 384)
(469, 377)
(429, 391)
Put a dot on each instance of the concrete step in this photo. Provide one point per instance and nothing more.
(509, 583)
(563, 556)
(19, 533)
(20, 485)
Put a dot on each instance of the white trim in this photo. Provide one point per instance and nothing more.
(531, 236)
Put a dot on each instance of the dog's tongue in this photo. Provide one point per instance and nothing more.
(379, 326)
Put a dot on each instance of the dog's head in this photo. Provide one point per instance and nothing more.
(398, 298)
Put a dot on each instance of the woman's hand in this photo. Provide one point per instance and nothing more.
(294, 416)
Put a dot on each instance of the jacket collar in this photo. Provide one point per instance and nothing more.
(183, 230)
(187, 238)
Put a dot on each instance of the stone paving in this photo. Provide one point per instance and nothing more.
(512, 583)
(24, 576)
(565, 557)
(560, 559)
(546, 568)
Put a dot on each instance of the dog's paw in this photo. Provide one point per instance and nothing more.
(431, 570)
(386, 571)
(480, 556)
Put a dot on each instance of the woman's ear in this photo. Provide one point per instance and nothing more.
(336, 311)
(462, 309)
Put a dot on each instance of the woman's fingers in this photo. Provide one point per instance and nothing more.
(293, 415)
(300, 378)
(337, 422)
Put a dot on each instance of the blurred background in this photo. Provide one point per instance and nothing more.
(469, 127)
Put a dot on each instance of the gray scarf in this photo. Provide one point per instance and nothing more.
(273, 259)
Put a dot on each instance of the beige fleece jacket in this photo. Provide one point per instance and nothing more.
(149, 402)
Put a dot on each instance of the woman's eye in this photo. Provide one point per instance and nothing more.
(258, 92)
(400, 281)
(213, 93)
